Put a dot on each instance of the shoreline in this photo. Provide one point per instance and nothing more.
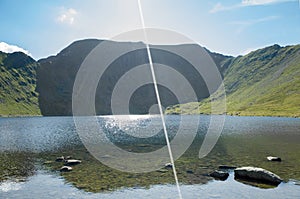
(229, 115)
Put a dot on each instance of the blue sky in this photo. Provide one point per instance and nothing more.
(233, 27)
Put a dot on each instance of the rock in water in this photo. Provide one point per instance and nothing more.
(48, 162)
(190, 171)
(219, 175)
(257, 174)
(163, 170)
(60, 159)
(168, 166)
(68, 157)
(227, 167)
(66, 169)
(72, 162)
(275, 159)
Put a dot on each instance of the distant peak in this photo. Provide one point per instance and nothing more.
(8, 48)
(18, 60)
(276, 46)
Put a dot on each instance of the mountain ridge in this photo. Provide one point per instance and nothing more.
(56, 75)
(264, 82)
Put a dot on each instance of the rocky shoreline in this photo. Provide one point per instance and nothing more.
(246, 174)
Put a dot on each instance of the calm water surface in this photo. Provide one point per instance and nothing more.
(30, 145)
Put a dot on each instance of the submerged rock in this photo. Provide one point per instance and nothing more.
(190, 171)
(163, 170)
(257, 174)
(48, 162)
(219, 175)
(72, 162)
(65, 169)
(227, 167)
(106, 156)
(275, 159)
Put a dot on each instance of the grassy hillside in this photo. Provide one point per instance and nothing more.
(17, 85)
(265, 82)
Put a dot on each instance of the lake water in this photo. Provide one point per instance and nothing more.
(30, 145)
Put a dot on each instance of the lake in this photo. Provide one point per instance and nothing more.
(29, 147)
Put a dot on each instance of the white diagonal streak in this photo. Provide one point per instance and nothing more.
(158, 99)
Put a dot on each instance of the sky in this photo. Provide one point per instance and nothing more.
(232, 27)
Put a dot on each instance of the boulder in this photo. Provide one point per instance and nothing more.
(219, 175)
(72, 162)
(169, 166)
(68, 157)
(257, 174)
(60, 159)
(275, 159)
(65, 169)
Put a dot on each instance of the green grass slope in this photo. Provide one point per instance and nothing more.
(265, 82)
(17, 85)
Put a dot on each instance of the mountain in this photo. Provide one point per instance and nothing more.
(17, 83)
(56, 76)
(265, 82)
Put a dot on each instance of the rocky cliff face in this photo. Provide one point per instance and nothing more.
(56, 75)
